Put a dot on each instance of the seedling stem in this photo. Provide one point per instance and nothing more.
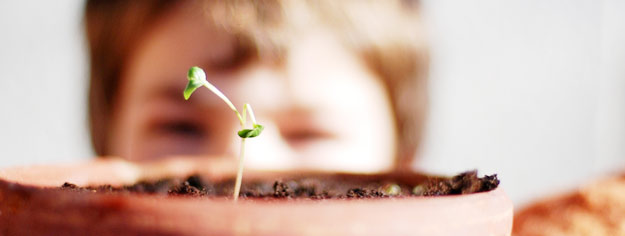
(197, 78)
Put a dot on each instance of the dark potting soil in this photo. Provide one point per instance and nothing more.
(314, 187)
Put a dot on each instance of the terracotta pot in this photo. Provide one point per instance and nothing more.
(31, 204)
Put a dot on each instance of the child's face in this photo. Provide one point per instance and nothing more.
(322, 108)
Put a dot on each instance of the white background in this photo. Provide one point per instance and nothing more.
(533, 90)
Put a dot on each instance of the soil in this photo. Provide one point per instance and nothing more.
(312, 187)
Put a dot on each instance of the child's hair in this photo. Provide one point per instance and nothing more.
(386, 35)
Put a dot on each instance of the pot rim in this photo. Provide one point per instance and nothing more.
(39, 201)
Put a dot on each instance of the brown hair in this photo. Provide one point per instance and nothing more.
(386, 34)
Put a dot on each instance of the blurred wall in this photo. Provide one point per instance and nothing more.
(42, 82)
(532, 90)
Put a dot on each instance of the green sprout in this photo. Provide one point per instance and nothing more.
(197, 79)
(418, 190)
(391, 189)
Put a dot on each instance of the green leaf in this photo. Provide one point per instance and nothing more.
(250, 133)
(197, 78)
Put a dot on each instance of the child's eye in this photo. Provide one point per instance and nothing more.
(181, 128)
(299, 137)
(302, 136)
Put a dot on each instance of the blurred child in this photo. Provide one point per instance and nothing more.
(339, 85)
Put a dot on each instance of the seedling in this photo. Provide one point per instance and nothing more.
(418, 190)
(391, 189)
(197, 78)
